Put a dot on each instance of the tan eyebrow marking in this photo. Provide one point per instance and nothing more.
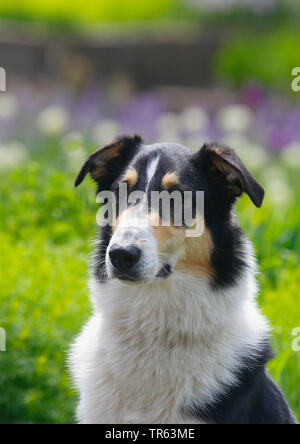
(131, 176)
(170, 180)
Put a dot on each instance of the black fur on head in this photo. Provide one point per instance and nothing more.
(108, 162)
(215, 169)
(229, 173)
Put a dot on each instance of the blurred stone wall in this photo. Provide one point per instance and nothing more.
(180, 57)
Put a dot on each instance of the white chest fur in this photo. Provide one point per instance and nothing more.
(150, 350)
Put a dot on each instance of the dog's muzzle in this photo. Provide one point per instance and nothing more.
(124, 259)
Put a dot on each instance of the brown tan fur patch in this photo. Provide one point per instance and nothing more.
(218, 150)
(111, 152)
(170, 180)
(131, 176)
(168, 238)
(231, 174)
(195, 251)
(97, 172)
(197, 259)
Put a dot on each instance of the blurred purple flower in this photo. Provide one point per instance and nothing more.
(88, 108)
(278, 138)
(212, 133)
(140, 115)
(276, 122)
(253, 96)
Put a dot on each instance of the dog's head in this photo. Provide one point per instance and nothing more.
(148, 242)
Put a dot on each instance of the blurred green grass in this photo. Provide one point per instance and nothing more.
(45, 231)
(72, 13)
(276, 47)
(93, 11)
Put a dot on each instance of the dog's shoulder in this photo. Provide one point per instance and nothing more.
(255, 399)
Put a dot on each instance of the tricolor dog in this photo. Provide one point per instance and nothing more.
(176, 335)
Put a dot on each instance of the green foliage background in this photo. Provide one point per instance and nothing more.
(266, 57)
(74, 11)
(46, 228)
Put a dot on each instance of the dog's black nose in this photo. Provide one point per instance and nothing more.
(124, 258)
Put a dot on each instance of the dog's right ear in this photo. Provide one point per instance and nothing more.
(229, 174)
(106, 164)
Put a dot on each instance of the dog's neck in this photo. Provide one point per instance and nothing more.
(157, 336)
(186, 307)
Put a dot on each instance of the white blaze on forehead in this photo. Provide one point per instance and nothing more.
(136, 219)
(151, 170)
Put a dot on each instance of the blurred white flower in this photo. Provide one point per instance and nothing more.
(280, 192)
(276, 183)
(167, 128)
(12, 154)
(254, 156)
(194, 119)
(167, 121)
(235, 118)
(53, 120)
(168, 137)
(75, 158)
(75, 152)
(105, 131)
(275, 172)
(290, 156)
(195, 142)
(235, 140)
(8, 106)
(72, 141)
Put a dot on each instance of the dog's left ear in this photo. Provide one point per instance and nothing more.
(231, 176)
(107, 163)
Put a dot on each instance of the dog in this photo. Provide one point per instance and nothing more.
(176, 336)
